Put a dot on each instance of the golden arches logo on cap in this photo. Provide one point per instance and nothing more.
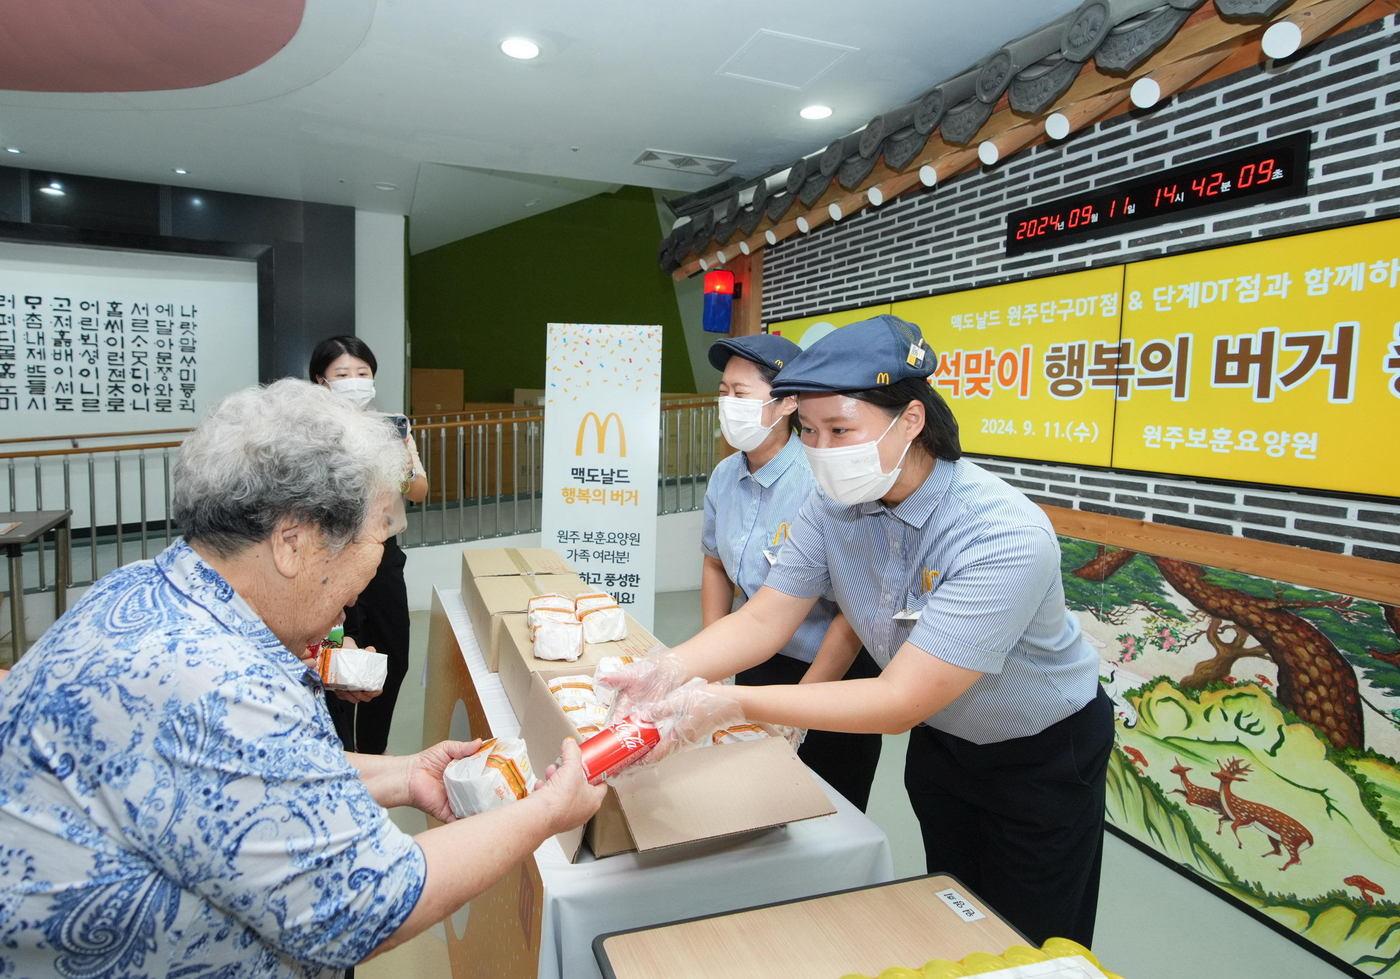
(600, 432)
(883, 377)
(777, 363)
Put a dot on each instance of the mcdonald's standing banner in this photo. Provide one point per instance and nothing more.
(601, 435)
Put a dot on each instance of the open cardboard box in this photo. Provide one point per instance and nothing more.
(517, 660)
(702, 794)
(501, 580)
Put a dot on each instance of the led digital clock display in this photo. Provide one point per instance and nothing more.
(1271, 171)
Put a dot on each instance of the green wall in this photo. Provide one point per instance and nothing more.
(482, 304)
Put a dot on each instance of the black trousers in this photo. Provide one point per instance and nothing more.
(846, 761)
(379, 618)
(1020, 822)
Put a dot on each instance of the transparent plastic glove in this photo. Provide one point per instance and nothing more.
(794, 735)
(646, 681)
(689, 716)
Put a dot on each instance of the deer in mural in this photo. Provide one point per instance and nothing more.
(1199, 795)
(1281, 829)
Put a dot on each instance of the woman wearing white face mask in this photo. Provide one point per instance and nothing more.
(379, 617)
(951, 578)
(751, 500)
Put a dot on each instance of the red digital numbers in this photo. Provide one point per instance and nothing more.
(1208, 186)
(1080, 215)
(1166, 194)
(1255, 174)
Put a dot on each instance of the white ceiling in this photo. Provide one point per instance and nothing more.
(416, 93)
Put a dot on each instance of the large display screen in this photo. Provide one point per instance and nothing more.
(1276, 361)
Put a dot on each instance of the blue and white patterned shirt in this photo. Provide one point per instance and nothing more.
(972, 570)
(174, 801)
(748, 513)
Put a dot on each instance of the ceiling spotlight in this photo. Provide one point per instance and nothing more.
(54, 189)
(13, 149)
(197, 201)
(385, 185)
(815, 112)
(181, 171)
(520, 48)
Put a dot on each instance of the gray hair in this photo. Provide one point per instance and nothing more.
(288, 451)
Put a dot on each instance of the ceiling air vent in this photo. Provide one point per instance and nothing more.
(705, 166)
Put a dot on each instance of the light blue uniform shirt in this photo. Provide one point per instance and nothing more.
(174, 800)
(747, 514)
(979, 565)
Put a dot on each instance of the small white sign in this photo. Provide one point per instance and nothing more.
(772, 558)
(908, 615)
(964, 908)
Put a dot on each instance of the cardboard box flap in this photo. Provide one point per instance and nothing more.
(498, 561)
(761, 784)
(544, 729)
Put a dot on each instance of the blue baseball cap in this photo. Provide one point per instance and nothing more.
(870, 354)
(764, 349)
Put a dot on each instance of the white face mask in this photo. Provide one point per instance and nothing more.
(359, 391)
(851, 474)
(741, 422)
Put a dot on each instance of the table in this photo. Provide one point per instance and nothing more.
(543, 919)
(863, 930)
(32, 526)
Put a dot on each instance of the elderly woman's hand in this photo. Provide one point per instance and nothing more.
(424, 776)
(565, 792)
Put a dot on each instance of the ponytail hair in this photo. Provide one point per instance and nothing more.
(939, 436)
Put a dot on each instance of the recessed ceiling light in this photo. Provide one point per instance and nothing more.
(13, 149)
(197, 201)
(54, 189)
(181, 171)
(815, 112)
(520, 48)
(385, 185)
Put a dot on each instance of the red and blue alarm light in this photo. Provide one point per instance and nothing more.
(719, 301)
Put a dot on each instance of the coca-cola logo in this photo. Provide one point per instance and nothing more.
(630, 736)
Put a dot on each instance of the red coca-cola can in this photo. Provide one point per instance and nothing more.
(615, 747)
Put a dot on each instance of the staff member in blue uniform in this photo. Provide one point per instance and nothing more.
(951, 578)
(751, 501)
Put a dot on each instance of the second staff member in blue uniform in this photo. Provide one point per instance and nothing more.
(752, 499)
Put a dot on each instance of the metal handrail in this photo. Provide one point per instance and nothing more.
(96, 435)
(89, 450)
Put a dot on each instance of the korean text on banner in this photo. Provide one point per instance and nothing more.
(1271, 362)
(1029, 368)
(601, 435)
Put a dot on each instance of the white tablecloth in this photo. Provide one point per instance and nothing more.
(631, 890)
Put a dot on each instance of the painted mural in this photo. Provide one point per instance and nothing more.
(1257, 737)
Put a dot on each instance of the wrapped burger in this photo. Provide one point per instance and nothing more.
(498, 773)
(603, 619)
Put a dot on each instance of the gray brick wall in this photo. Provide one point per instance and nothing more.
(1346, 91)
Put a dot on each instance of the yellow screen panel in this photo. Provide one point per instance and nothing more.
(1007, 364)
(1272, 362)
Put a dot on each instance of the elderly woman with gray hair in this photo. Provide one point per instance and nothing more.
(173, 798)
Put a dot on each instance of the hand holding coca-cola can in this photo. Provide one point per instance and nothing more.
(619, 744)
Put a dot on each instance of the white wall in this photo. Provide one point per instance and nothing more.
(379, 301)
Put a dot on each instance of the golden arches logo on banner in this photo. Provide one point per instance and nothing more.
(780, 535)
(928, 579)
(600, 432)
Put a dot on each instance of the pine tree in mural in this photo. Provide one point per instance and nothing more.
(1315, 681)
